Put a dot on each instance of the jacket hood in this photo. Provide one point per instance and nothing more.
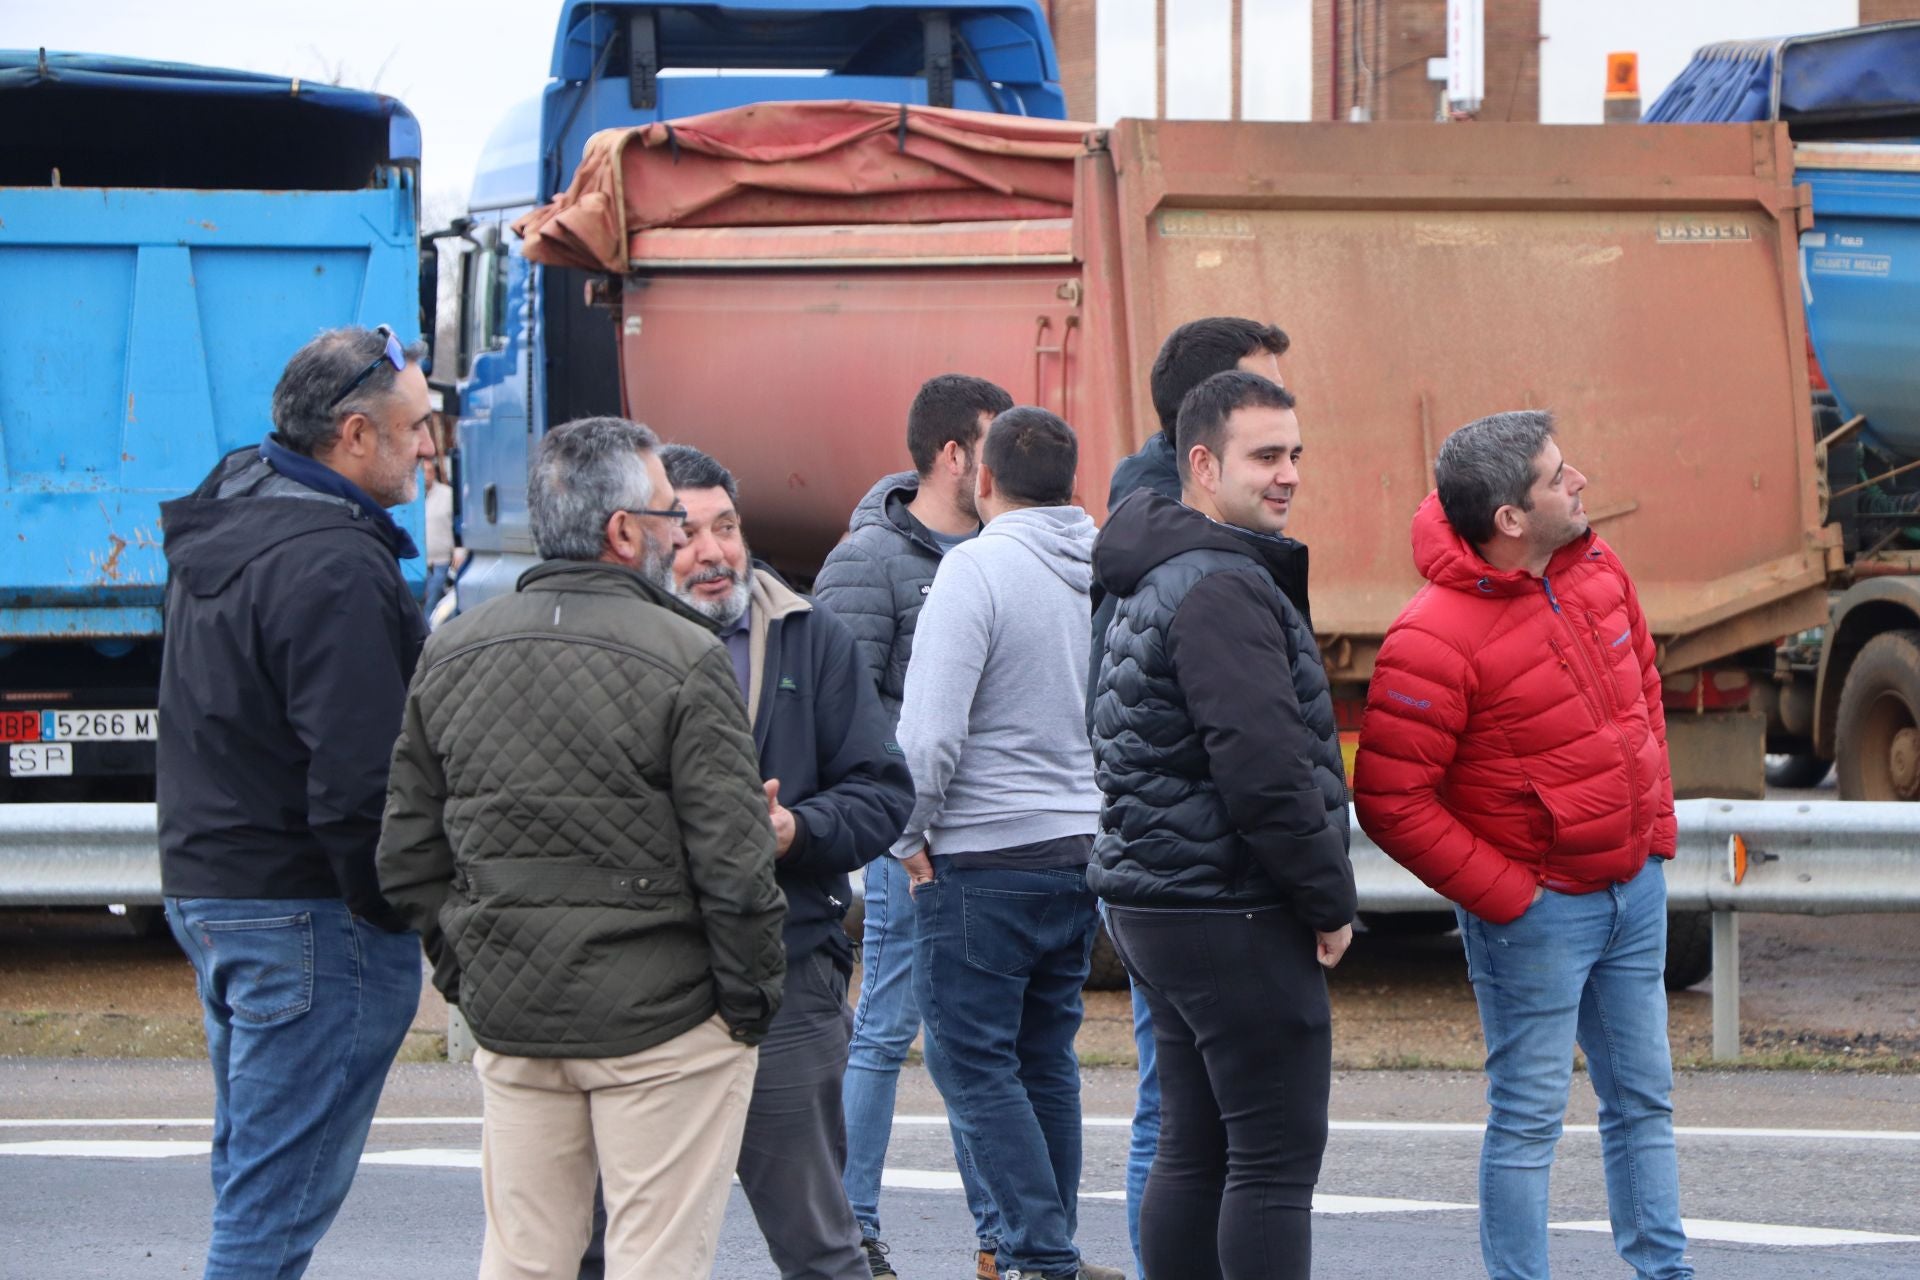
(1153, 467)
(1446, 559)
(243, 509)
(885, 503)
(1147, 530)
(1061, 536)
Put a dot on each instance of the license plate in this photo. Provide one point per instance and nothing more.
(40, 759)
(81, 726)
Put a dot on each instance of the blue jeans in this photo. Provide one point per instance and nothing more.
(1144, 1140)
(999, 959)
(1144, 1137)
(305, 1007)
(1583, 967)
(884, 1025)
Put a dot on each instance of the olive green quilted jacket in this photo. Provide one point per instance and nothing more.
(575, 822)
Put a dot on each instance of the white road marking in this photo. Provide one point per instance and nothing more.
(426, 1158)
(1759, 1233)
(1323, 1203)
(1089, 1122)
(113, 1149)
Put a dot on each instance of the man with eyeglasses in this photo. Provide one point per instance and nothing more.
(577, 827)
(290, 640)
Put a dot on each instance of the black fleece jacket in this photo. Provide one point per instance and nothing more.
(290, 639)
(819, 728)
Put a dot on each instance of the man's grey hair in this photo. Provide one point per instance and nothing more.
(1488, 464)
(301, 401)
(584, 472)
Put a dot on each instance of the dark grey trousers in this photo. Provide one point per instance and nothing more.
(795, 1148)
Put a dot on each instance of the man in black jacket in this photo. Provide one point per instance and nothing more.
(1191, 354)
(1222, 854)
(838, 792)
(290, 640)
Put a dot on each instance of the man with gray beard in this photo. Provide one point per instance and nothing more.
(577, 829)
(837, 793)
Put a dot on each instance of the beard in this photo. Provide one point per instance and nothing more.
(727, 609)
(965, 498)
(656, 562)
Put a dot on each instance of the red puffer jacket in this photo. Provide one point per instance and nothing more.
(1513, 734)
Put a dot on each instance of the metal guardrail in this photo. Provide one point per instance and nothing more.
(1824, 857)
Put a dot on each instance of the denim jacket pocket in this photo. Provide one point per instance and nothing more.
(262, 969)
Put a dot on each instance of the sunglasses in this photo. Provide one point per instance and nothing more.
(394, 354)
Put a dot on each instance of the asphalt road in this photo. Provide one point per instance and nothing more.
(1785, 1176)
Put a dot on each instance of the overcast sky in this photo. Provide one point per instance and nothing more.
(460, 63)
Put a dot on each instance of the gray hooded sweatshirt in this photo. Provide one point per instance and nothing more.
(994, 719)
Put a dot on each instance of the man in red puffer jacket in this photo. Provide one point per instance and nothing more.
(1513, 756)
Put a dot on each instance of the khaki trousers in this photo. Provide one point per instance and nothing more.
(661, 1128)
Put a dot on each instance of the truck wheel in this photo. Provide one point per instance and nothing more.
(1689, 948)
(1105, 973)
(1798, 772)
(1878, 738)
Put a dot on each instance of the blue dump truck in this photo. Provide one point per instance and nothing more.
(1848, 693)
(169, 236)
(537, 345)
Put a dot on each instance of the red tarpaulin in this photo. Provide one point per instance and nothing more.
(801, 164)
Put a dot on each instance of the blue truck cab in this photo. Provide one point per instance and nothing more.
(169, 236)
(534, 349)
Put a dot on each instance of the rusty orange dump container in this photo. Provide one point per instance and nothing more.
(1640, 283)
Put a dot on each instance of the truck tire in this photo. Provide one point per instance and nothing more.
(1877, 742)
(1689, 948)
(1798, 772)
(1105, 973)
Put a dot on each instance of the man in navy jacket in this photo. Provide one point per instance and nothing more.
(838, 793)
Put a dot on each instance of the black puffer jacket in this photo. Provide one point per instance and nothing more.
(1213, 732)
(877, 579)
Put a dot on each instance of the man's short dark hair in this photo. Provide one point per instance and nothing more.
(947, 409)
(1033, 455)
(1488, 464)
(1199, 349)
(690, 468)
(304, 414)
(1204, 413)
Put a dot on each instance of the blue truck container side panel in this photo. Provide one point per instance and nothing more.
(160, 322)
(1861, 268)
(25, 68)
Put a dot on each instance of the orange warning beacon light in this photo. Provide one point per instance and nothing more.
(1623, 75)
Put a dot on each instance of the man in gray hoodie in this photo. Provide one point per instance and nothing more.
(1002, 828)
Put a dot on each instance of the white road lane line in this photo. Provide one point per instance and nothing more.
(1417, 1126)
(113, 1149)
(426, 1158)
(1759, 1233)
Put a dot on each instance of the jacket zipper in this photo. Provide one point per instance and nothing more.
(1604, 698)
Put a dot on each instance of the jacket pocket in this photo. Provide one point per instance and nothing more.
(1543, 828)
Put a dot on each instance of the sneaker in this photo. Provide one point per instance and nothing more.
(986, 1265)
(877, 1257)
(1089, 1271)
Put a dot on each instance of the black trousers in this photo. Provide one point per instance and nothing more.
(795, 1148)
(1244, 1041)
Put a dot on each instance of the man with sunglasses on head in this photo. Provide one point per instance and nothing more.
(290, 640)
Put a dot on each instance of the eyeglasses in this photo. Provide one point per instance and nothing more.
(676, 514)
(394, 354)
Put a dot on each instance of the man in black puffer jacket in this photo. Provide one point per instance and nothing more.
(1222, 854)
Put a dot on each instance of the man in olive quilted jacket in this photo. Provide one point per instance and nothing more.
(576, 825)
